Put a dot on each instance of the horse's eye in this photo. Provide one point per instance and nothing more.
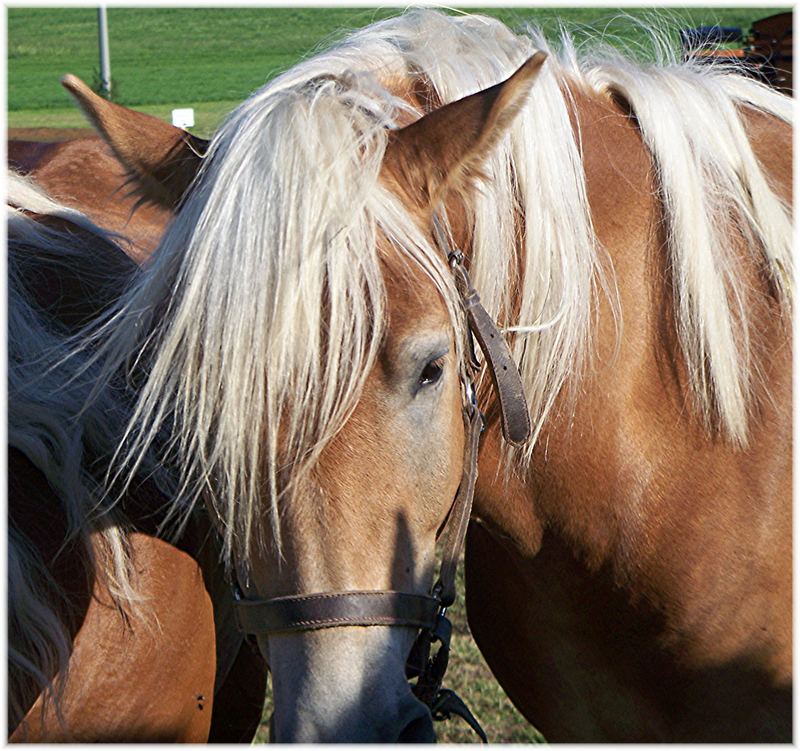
(432, 372)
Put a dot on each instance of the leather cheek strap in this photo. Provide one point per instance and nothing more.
(515, 417)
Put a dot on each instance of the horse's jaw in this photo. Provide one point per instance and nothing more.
(344, 684)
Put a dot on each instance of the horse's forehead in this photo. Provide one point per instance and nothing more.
(414, 303)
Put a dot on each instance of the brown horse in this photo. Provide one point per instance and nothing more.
(83, 173)
(77, 625)
(633, 580)
(629, 570)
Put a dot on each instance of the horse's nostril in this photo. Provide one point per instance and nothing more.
(419, 730)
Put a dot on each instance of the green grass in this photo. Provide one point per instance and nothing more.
(469, 676)
(163, 58)
(176, 56)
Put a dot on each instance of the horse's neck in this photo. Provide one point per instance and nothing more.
(627, 474)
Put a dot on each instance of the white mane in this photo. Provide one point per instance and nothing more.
(262, 312)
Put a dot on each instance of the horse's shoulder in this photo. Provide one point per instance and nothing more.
(149, 670)
(163, 645)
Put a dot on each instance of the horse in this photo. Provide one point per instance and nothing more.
(628, 568)
(82, 173)
(101, 609)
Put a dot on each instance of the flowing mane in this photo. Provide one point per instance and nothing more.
(289, 199)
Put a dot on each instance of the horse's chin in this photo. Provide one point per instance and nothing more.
(344, 685)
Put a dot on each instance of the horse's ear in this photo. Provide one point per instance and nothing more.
(447, 148)
(163, 159)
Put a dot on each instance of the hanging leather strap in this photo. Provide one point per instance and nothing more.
(514, 414)
(515, 418)
(458, 520)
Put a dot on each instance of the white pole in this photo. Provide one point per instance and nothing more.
(105, 55)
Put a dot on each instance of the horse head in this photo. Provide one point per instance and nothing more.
(305, 354)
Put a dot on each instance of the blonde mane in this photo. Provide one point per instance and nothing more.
(262, 312)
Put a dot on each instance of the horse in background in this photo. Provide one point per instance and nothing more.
(629, 571)
(112, 635)
(83, 174)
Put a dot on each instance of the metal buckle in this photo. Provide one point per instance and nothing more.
(455, 257)
(471, 407)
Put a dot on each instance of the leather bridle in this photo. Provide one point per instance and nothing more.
(306, 612)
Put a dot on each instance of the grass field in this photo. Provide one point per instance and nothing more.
(213, 58)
